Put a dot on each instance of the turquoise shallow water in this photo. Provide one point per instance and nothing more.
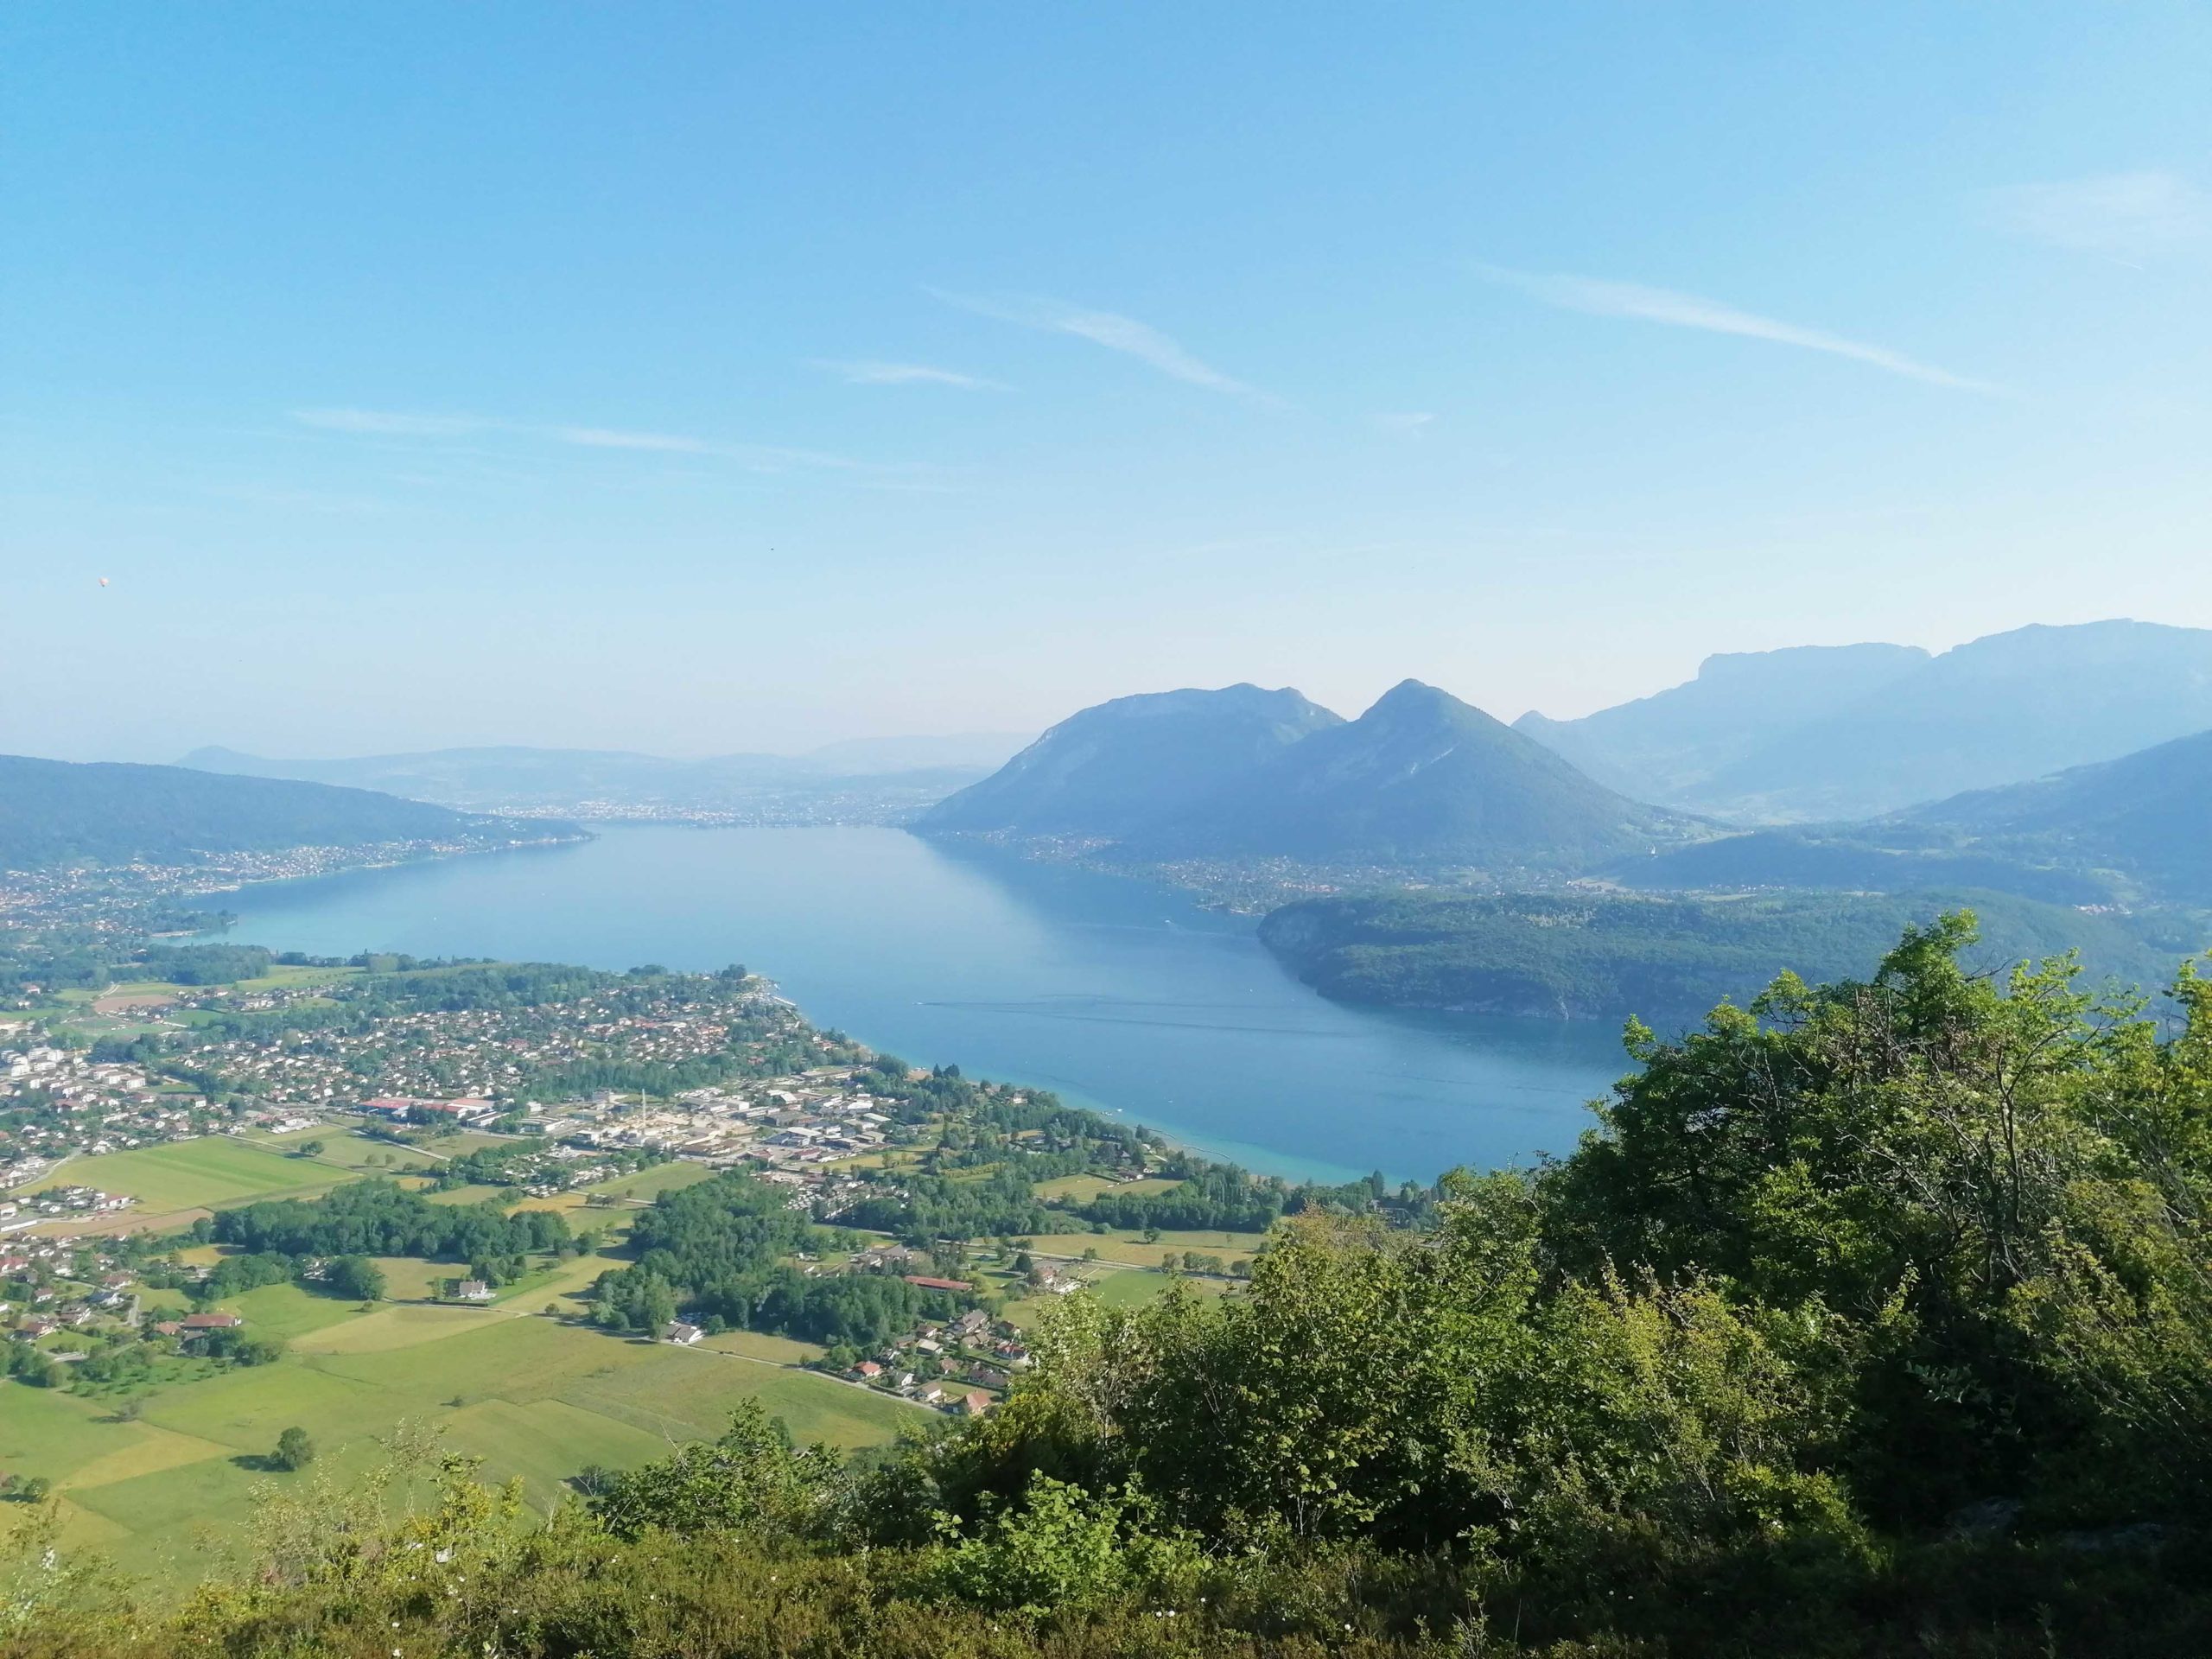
(1118, 994)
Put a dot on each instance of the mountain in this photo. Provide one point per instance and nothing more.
(1419, 777)
(1660, 747)
(53, 811)
(1123, 766)
(859, 777)
(2146, 817)
(508, 777)
(1996, 710)
(1666, 960)
(2132, 828)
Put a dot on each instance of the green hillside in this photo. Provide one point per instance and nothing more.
(53, 811)
(1666, 959)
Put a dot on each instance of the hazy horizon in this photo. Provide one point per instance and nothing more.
(698, 382)
(769, 744)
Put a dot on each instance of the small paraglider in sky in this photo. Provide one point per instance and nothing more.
(103, 581)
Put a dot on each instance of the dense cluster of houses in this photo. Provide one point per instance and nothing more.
(963, 1365)
(436, 1059)
(85, 1106)
(50, 1286)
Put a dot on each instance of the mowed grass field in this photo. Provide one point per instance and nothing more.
(639, 1186)
(1084, 1188)
(1130, 1249)
(179, 1181)
(534, 1397)
(211, 1172)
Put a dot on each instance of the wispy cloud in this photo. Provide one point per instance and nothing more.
(1107, 329)
(1409, 423)
(2122, 215)
(1661, 305)
(390, 422)
(870, 373)
(753, 457)
(598, 437)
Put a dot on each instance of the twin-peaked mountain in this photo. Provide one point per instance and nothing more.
(1420, 778)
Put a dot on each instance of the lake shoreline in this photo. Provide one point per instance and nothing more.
(1122, 996)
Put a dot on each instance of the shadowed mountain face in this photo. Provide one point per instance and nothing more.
(1869, 730)
(1421, 777)
(1137, 761)
(56, 810)
(2133, 828)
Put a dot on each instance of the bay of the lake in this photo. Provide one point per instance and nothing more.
(1117, 994)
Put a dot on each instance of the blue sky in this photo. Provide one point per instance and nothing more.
(701, 379)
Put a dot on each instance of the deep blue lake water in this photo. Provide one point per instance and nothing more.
(1119, 994)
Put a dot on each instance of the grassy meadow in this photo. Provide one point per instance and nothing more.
(524, 1384)
(179, 1181)
(536, 1397)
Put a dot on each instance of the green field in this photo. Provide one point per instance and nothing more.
(653, 1182)
(1134, 1287)
(533, 1396)
(1130, 1249)
(282, 977)
(639, 1186)
(207, 1173)
(1084, 1188)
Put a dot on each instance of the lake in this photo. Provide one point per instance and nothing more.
(1119, 994)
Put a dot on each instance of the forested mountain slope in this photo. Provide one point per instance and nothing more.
(1668, 960)
(56, 810)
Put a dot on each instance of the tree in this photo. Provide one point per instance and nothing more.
(748, 1480)
(294, 1449)
(28, 1364)
(357, 1278)
(310, 1149)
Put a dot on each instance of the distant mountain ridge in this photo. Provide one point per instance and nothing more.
(1661, 746)
(520, 779)
(1419, 777)
(1855, 731)
(2132, 830)
(56, 811)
